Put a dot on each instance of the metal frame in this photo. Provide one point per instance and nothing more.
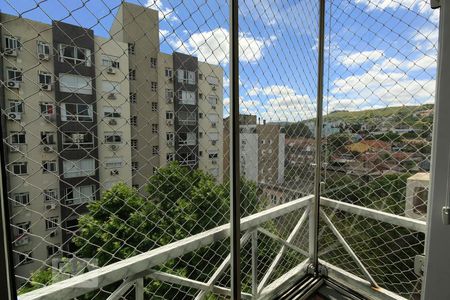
(437, 262)
(235, 214)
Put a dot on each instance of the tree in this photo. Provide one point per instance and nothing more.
(298, 129)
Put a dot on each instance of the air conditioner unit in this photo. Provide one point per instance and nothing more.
(214, 88)
(15, 116)
(213, 143)
(43, 56)
(112, 122)
(23, 240)
(50, 206)
(114, 147)
(114, 172)
(112, 96)
(170, 143)
(53, 233)
(169, 122)
(13, 84)
(46, 87)
(170, 100)
(10, 52)
(111, 70)
(48, 149)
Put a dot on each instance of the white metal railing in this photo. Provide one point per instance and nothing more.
(131, 272)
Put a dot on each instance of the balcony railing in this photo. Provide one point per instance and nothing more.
(129, 274)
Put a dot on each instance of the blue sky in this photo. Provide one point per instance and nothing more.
(378, 53)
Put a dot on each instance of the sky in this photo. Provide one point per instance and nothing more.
(378, 53)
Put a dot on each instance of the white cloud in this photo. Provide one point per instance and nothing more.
(165, 12)
(213, 46)
(271, 90)
(359, 58)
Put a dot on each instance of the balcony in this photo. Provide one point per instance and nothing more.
(129, 274)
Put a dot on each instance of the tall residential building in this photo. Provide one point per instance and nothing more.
(262, 150)
(81, 113)
(65, 123)
(176, 101)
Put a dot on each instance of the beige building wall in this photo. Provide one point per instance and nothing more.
(139, 27)
(210, 120)
(115, 159)
(32, 123)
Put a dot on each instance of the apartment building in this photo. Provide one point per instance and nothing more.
(176, 101)
(262, 150)
(57, 110)
(81, 113)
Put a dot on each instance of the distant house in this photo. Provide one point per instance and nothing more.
(368, 145)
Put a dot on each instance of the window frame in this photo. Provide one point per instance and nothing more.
(77, 117)
(76, 191)
(76, 170)
(75, 60)
(23, 165)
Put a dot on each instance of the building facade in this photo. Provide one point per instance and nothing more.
(81, 113)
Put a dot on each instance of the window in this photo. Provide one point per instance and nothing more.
(212, 100)
(214, 118)
(186, 97)
(15, 106)
(21, 229)
(110, 61)
(154, 106)
(154, 170)
(187, 118)
(213, 154)
(71, 83)
(134, 167)
(135, 186)
(111, 112)
(154, 128)
(153, 63)
(188, 159)
(74, 55)
(80, 194)
(168, 72)
(77, 140)
(170, 136)
(187, 138)
(200, 76)
(154, 86)
(113, 163)
(200, 115)
(185, 76)
(131, 48)
(14, 74)
(170, 156)
(134, 144)
(133, 120)
(169, 115)
(113, 137)
(43, 48)
(12, 43)
(200, 134)
(50, 195)
(18, 137)
(133, 98)
(72, 224)
(47, 109)
(131, 74)
(21, 198)
(169, 95)
(79, 168)
(45, 78)
(76, 112)
(200, 153)
(51, 223)
(19, 168)
(48, 166)
(155, 150)
(24, 258)
(110, 87)
(52, 250)
(200, 95)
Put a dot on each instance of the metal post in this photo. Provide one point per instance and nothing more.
(234, 159)
(255, 263)
(139, 289)
(314, 220)
(437, 245)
